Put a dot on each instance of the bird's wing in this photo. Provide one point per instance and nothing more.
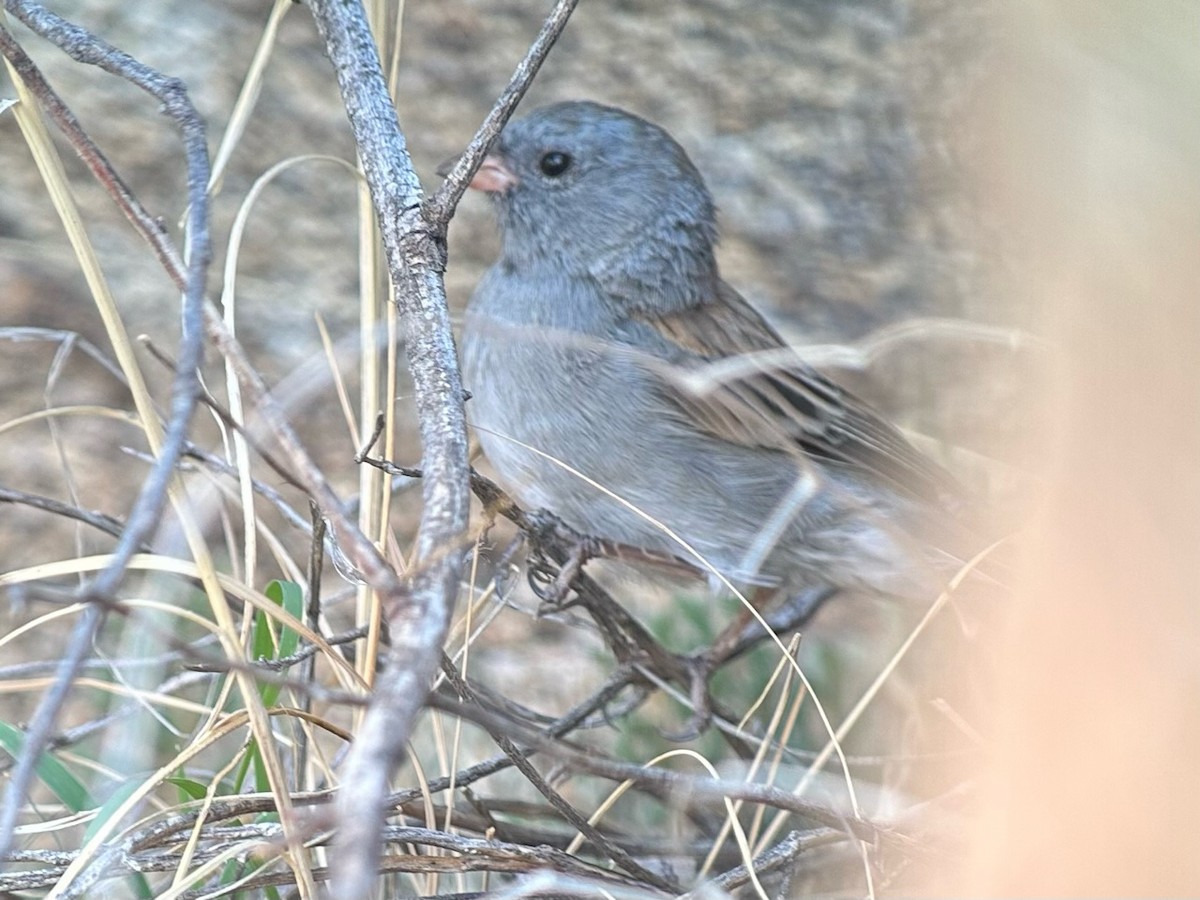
(730, 373)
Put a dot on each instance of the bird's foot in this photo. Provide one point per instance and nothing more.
(699, 667)
(552, 570)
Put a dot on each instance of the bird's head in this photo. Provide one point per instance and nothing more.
(600, 191)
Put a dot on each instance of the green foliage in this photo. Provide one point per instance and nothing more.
(52, 773)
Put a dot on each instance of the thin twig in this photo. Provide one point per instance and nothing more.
(444, 201)
(100, 521)
(227, 419)
(782, 854)
(460, 854)
(143, 518)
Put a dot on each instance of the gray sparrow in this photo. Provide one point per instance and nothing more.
(618, 382)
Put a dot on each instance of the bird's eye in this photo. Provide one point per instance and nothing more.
(554, 163)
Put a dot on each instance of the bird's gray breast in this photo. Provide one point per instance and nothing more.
(544, 375)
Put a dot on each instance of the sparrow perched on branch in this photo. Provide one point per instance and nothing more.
(618, 382)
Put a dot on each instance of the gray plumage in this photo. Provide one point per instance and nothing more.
(604, 352)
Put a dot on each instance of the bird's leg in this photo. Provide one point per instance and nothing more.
(556, 594)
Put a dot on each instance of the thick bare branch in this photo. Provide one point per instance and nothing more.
(414, 239)
(417, 625)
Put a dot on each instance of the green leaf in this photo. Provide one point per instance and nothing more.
(262, 783)
(252, 760)
(290, 597)
(188, 788)
(53, 774)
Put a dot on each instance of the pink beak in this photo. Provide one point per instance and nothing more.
(494, 176)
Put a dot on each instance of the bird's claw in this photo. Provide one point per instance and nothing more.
(700, 669)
